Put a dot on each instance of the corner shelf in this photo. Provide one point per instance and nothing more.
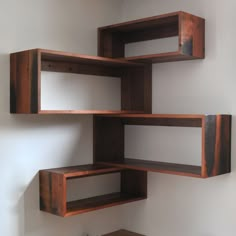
(216, 140)
(123, 232)
(26, 67)
(190, 30)
(53, 189)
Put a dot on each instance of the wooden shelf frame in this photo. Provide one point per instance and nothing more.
(53, 186)
(189, 29)
(216, 143)
(26, 67)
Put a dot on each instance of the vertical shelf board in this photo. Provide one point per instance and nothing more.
(123, 232)
(216, 145)
(53, 189)
(189, 29)
(26, 67)
(24, 83)
(216, 140)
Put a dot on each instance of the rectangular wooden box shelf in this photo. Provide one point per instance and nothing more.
(26, 67)
(216, 141)
(190, 30)
(53, 186)
(123, 232)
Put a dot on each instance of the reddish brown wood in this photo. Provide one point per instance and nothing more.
(123, 232)
(155, 166)
(26, 68)
(216, 142)
(53, 189)
(189, 29)
(24, 82)
(52, 193)
(100, 202)
(216, 139)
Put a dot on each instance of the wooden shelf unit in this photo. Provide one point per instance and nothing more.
(26, 67)
(53, 186)
(216, 141)
(123, 232)
(189, 29)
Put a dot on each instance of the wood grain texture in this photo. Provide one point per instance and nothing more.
(190, 30)
(24, 78)
(100, 202)
(191, 35)
(123, 232)
(84, 170)
(216, 153)
(52, 193)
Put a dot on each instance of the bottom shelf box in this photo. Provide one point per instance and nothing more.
(53, 189)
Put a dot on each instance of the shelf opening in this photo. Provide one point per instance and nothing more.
(149, 47)
(66, 91)
(163, 144)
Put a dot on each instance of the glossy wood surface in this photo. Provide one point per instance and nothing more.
(189, 29)
(123, 232)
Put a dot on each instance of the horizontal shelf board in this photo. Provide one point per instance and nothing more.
(99, 202)
(51, 55)
(161, 57)
(86, 112)
(143, 23)
(160, 119)
(162, 167)
(84, 170)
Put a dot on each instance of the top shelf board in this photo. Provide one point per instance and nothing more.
(190, 30)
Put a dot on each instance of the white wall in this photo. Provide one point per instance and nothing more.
(181, 206)
(29, 143)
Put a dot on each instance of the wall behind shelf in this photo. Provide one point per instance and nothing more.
(30, 142)
(180, 206)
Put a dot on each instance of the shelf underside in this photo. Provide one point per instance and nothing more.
(154, 166)
(162, 57)
(84, 170)
(100, 202)
(87, 112)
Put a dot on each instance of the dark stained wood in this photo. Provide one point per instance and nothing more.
(76, 112)
(155, 166)
(216, 145)
(123, 232)
(84, 170)
(190, 30)
(216, 140)
(108, 139)
(53, 189)
(181, 120)
(52, 193)
(99, 202)
(134, 182)
(26, 70)
(24, 82)
(136, 89)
